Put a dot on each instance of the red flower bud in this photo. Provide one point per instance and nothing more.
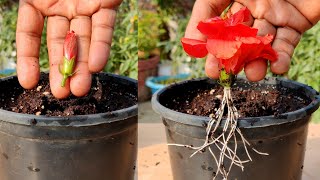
(70, 45)
(70, 49)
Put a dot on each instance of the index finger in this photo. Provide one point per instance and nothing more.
(202, 10)
(28, 38)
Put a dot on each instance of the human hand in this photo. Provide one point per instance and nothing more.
(285, 20)
(92, 21)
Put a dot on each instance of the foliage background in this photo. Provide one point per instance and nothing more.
(149, 33)
(305, 64)
(123, 58)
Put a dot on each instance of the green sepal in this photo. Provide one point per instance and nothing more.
(225, 79)
(67, 70)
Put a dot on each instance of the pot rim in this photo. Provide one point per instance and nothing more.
(247, 122)
(74, 121)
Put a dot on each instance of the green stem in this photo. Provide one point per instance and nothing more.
(63, 82)
(224, 13)
(225, 79)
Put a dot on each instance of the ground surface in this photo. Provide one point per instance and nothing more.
(153, 159)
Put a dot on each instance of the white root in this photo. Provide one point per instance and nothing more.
(221, 142)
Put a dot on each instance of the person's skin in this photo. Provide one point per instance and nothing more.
(92, 21)
(285, 19)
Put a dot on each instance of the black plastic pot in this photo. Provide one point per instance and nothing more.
(283, 137)
(97, 147)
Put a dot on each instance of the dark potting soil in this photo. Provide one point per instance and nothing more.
(250, 102)
(104, 96)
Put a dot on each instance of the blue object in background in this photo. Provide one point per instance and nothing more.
(152, 82)
(7, 71)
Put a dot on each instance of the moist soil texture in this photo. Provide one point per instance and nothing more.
(104, 96)
(254, 101)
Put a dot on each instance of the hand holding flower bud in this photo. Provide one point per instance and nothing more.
(70, 50)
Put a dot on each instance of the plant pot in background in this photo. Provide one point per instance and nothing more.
(147, 68)
(154, 82)
(282, 137)
(165, 68)
(98, 146)
(6, 72)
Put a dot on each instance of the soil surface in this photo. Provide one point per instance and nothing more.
(250, 102)
(104, 96)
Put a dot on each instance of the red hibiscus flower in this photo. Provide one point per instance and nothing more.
(231, 42)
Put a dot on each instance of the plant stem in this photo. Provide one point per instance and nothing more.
(226, 79)
(63, 82)
(224, 13)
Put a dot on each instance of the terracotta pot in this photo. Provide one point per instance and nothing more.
(147, 67)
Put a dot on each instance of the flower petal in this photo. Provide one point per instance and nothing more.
(257, 47)
(223, 49)
(267, 39)
(194, 48)
(211, 27)
(240, 30)
(213, 20)
(70, 46)
(243, 15)
(232, 65)
(269, 53)
(249, 40)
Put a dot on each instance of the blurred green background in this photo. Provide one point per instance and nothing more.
(123, 58)
(171, 18)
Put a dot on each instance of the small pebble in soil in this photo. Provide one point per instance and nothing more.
(46, 93)
(212, 91)
(39, 88)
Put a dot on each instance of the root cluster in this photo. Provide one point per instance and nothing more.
(221, 141)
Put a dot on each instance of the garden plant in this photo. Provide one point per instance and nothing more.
(228, 139)
(234, 44)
